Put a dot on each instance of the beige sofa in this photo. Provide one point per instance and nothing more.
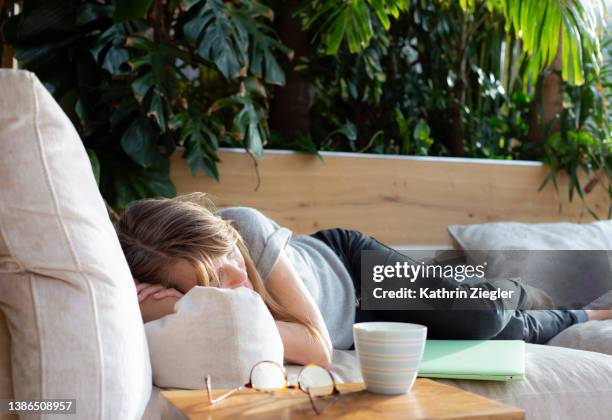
(69, 313)
(69, 321)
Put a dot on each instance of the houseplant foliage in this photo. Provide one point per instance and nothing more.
(583, 143)
(447, 64)
(465, 79)
(139, 78)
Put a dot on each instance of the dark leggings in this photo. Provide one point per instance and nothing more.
(533, 326)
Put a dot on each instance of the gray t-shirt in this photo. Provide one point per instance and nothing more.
(319, 267)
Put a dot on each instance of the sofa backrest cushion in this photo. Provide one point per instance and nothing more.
(65, 286)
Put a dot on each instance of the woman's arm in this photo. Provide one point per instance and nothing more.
(155, 300)
(152, 309)
(285, 285)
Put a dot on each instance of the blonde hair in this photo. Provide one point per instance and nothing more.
(156, 233)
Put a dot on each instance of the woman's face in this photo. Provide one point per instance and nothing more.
(230, 267)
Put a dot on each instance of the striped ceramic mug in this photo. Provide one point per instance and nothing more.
(389, 354)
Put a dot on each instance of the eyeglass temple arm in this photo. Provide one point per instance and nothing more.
(312, 403)
(221, 397)
(335, 392)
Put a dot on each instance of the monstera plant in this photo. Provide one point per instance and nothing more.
(140, 77)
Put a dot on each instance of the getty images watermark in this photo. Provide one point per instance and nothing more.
(410, 272)
(429, 280)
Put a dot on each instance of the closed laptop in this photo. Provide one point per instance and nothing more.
(496, 360)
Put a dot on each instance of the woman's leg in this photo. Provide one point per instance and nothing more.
(539, 326)
(491, 320)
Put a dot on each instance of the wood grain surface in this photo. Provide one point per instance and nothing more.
(398, 200)
(426, 400)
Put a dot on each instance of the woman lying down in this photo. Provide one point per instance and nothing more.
(310, 283)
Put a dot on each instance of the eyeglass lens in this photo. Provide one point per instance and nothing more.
(316, 380)
(267, 376)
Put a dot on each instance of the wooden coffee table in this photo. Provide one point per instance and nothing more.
(428, 399)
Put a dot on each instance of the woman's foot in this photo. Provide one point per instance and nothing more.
(599, 314)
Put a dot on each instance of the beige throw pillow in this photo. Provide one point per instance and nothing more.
(65, 286)
(534, 236)
(572, 262)
(535, 268)
(217, 332)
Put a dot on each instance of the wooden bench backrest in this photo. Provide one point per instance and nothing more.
(399, 200)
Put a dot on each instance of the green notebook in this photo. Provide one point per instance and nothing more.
(492, 360)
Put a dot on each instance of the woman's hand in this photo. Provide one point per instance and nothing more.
(156, 301)
(157, 291)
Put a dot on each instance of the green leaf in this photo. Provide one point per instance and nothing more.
(546, 179)
(95, 164)
(337, 32)
(137, 62)
(218, 37)
(192, 28)
(200, 143)
(108, 49)
(124, 181)
(274, 73)
(381, 12)
(89, 12)
(350, 21)
(140, 143)
(197, 157)
(402, 127)
(264, 43)
(156, 111)
(349, 130)
(189, 3)
(208, 166)
(421, 130)
(142, 85)
(122, 112)
(591, 212)
(540, 24)
(79, 109)
(255, 139)
(112, 36)
(114, 59)
(139, 43)
(131, 9)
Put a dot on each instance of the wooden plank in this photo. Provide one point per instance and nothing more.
(398, 200)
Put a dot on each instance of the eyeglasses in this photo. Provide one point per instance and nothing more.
(269, 376)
